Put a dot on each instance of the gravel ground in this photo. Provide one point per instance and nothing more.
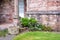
(8, 37)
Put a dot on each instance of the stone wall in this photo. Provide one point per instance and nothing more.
(8, 11)
(48, 18)
(42, 5)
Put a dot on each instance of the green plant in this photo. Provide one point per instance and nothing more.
(49, 28)
(24, 22)
(46, 28)
(28, 22)
(3, 32)
(32, 21)
(33, 25)
(36, 27)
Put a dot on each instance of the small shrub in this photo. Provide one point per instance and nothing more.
(37, 27)
(3, 32)
(46, 28)
(28, 22)
(33, 25)
(49, 28)
(24, 22)
(32, 22)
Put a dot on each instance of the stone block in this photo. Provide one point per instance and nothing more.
(13, 30)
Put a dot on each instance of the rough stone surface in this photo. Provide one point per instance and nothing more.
(42, 5)
(8, 13)
(8, 37)
(52, 19)
(13, 30)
